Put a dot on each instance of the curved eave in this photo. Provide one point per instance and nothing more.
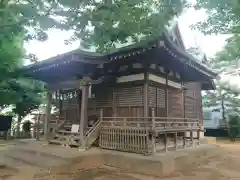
(83, 57)
(189, 59)
(70, 57)
(208, 85)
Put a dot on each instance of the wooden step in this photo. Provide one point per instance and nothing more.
(55, 141)
(66, 136)
(67, 132)
(65, 143)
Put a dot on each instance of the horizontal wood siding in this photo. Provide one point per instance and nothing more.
(193, 101)
(175, 105)
(129, 96)
(156, 99)
(161, 98)
(102, 100)
(129, 101)
(152, 96)
(70, 108)
(120, 101)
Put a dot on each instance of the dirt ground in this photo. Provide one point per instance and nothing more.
(226, 166)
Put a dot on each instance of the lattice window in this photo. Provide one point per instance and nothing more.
(103, 98)
(152, 96)
(175, 108)
(130, 96)
(160, 97)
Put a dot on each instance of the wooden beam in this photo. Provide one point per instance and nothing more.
(183, 101)
(191, 134)
(165, 142)
(153, 132)
(166, 97)
(146, 75)
(175, 140)
(184, 139)
(83, 116)
(114, 110)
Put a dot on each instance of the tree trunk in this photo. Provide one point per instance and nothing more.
(18, 126)
(223, 109)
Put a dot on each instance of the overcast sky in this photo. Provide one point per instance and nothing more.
(55, 44)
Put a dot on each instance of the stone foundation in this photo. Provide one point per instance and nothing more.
(70, 159)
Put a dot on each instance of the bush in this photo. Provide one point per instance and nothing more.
(233, 127)
(27, 126)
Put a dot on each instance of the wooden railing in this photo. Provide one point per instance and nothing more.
(141, 134)
(156, 123)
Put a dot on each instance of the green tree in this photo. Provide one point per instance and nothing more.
(226, 97)
(234, 127)
(30, 94)
(103, 24)
(223, 17)
(15, 89)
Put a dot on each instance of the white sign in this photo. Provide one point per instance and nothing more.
(75, 128)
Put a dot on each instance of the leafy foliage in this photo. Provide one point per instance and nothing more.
(27, 126)
(231, 49)
(30, 96)
(234, 127)
(15, 90)
(223, 18)
(103, 24)
(225, 95)
(30, 16)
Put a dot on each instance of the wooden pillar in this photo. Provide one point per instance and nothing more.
(191, 134)
(166, 110)
(198, 137)
(114, 103)
(183, 109)
(83, 116)
(165, 142)
(146, 94)
(153, 132)
(47, 114)
(183, 101)
(166, 96)
(175, 140)
(184, 139)
(101, 114)
(201, 117)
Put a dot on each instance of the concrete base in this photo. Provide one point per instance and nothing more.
(161, 164)
(70, 159)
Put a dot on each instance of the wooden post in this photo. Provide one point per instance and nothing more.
(165, 142)
(124, 122)
(101, 114)
(198, 137)
(146, 95)
(175, 140)
(153, 132)
(114, 103)
(83, 116)
(47, 114)
(191, 134)
(184, 139)
(166, 95)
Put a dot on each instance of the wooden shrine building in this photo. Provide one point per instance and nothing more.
(143, 98)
